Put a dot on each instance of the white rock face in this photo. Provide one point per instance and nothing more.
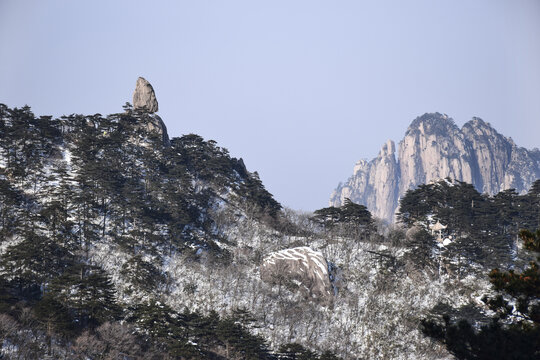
(435, 148)
(301, 264)
(492, 153)
(144, 98)
(373, 183)
(144, 101)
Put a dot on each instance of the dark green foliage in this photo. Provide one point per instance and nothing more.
(328, 217)
(88, 294)
(192, 335)
(12, 205)
(484, 228)
(121, 183)
(68, 185)
(295, 351)
(531, 241)
(34, 260)
(329, 355)
(523, 287)
(239, 341)
(142, 274)
(349, 214)
(212, 164)
(157, 320)
(518, 340)
(8, 296)
(54, 316)
(491, 342)
(355, 213)
(254, 190)
(422, 249)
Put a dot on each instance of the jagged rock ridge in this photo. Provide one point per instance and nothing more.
(434, 148)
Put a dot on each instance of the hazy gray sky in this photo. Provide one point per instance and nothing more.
(300, 89)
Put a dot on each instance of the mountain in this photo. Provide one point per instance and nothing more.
(435, 148)
(118, 242)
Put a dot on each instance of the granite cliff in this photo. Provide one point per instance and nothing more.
(434, 147)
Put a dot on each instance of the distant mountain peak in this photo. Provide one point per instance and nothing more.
(430, 120)
(434, 147)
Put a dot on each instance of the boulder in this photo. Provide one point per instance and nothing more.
(302, 266)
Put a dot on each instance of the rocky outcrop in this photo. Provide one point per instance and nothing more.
(144, 101)
(144, 97)
(302, 267)
(157, 125)
(373, 183)
(435, 148)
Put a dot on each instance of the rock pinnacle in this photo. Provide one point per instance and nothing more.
(144, 98)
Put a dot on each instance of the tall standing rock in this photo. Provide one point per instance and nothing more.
(144, 101)
(144, 97)
(434, 148)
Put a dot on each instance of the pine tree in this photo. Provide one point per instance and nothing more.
(88, 293)
(142, 274)
(518, 340)
(34, 261)
(295, 351)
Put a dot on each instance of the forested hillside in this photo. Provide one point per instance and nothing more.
(70, 185)
(116, 244)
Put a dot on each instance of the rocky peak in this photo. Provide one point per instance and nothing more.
(478, 127)
(144, 97)
(477, 122)
(388, 149)
(432, 123)
(492, 155)
(434, 147)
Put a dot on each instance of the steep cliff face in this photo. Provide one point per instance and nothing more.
(435, 148)
(523, 170)
(374, 183)
(492, 153)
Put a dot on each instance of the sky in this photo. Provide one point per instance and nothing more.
(300, 89)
